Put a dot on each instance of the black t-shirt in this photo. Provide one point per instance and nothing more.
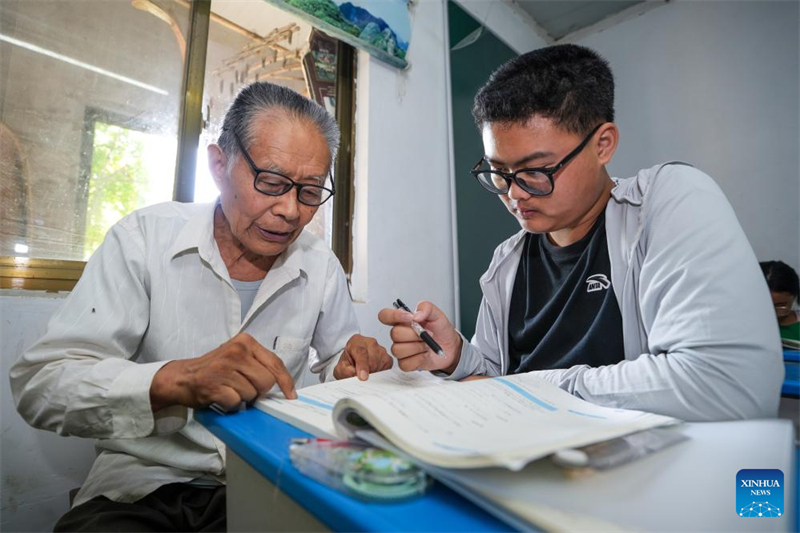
(563, 309)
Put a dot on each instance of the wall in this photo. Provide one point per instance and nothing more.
(508, 22)
(403, 210)
(716, 84)
(470, 67)
(37, 468)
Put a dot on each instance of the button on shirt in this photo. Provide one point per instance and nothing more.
(156, 290)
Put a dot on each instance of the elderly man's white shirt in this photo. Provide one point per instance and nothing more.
(158, 290)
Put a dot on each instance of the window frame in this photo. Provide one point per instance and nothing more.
(53, 275)
(344, 199)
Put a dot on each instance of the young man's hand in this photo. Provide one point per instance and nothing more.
(411, 352)
(362, 356)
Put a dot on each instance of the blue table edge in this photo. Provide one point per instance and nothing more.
(791, 384)
(441, 509)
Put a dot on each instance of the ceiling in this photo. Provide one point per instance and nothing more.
(260, 17)
(559, 18)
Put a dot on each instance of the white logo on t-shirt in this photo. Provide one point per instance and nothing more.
(597, 282)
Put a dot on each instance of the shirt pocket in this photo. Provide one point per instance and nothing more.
(293, 351)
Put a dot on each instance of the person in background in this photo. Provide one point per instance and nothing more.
(784, 288)
(188, 305)
(639, 293)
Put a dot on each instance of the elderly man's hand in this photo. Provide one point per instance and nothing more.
(239, 370)
(362, 355)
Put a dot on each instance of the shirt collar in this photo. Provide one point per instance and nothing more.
(198, 234)
(291, 260)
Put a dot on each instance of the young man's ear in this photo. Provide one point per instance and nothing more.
(607, 141)
(217, 165)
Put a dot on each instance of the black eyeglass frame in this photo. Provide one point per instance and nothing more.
(300, 186)
(547, 171)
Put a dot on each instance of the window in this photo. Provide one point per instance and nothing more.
(62, 62)
(126, 165)
(91, 110)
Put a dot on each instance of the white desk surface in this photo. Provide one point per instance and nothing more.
(688, 487)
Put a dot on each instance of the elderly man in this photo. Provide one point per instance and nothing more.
(186, 305)
(639, 293)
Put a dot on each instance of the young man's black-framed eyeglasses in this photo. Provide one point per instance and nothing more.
(535, 181)
(274, 183)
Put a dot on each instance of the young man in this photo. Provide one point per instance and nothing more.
(639, 293)
(185, 305)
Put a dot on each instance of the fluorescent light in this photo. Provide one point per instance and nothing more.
(87, 66)
(21, 248)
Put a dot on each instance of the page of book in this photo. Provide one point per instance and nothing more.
(313, 410)
(505, 421)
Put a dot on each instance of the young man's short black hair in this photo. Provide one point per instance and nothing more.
(781, 277)
(568, 83)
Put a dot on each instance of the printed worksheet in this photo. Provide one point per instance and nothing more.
(504, 421)
(313, 409)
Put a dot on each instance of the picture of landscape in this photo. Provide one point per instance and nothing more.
(381, 27)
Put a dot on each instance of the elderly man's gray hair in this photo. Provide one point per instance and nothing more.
(261, 97)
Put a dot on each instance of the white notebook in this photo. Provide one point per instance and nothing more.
(505, 421)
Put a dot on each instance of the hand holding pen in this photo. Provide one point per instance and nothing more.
(423, 339)
(424, 335)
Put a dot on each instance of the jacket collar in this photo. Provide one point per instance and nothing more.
(629, 190)
(507, 249)
(633, 190)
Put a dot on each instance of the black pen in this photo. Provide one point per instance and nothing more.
(424, 335)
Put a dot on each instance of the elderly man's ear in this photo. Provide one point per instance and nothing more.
(217, 165)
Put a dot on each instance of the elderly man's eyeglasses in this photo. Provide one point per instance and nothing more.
(275, 184)
(535, 181)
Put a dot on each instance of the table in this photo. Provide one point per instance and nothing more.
(266, 492)
(262, 479)
(687, 487)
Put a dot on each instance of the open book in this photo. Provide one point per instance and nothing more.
(504, 421)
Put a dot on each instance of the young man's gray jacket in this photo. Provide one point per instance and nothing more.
(700, 333)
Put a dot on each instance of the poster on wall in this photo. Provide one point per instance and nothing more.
(380, 27)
